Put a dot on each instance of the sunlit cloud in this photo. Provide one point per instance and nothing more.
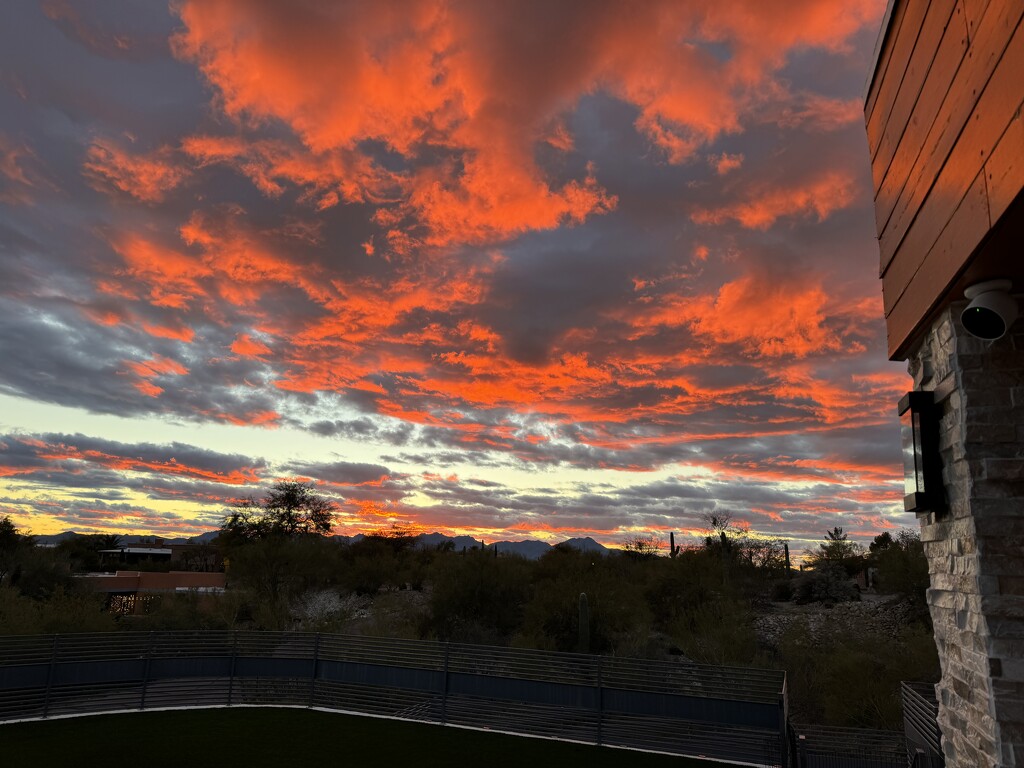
(146, 178)
(763, 205)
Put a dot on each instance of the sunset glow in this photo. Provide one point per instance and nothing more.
(512, 269)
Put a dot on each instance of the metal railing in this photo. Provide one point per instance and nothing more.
(920, 724)
(819, 746)
(677, 707)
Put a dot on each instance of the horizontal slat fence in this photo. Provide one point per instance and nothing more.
(819, 746)
(677, 707)
(920, 724)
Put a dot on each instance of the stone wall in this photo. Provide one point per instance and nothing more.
(975, 548)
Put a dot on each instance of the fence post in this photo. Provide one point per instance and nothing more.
(145, 671)
(600, 703)
(49, 676)
(316, 662)
(444, 685)
(783, 727)
(234, 656)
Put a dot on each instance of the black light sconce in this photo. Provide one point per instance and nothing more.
(922, 465)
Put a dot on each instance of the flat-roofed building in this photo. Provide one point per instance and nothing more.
(130, 592)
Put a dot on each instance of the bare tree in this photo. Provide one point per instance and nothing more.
(737, 541)
(717, 522)
(644, 546)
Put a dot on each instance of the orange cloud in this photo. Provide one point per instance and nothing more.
(145, 177)
(11, 162)
(65, 452)
(174, 278)
(178, 332)
(414, 89)
(247, 346)
(463, 93)
(155, 367)
(501, 196)
(816, 111)
(768, 315)
(327, 177)
(106, 315)
(725, 162)
(19, 180)
(148, 388)
(244, 261)
(833, 190)
(268, 419)
(15, 471)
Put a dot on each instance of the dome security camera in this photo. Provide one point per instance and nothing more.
(992, 309)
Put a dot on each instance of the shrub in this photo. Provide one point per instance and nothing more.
(828, 583)
(477, 597)
(782, 591)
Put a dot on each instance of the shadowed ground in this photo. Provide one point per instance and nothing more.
(252, 737)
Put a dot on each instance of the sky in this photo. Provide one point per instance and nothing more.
(537, 269)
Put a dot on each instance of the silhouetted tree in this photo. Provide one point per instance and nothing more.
(108, 541)
(397, 537)
(644, 547)
(903, 567)
(880, 543)
(11, 545)
(835, 548)
(82, 553)
(288, 510)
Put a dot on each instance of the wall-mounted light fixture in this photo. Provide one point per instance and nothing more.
(992, 309)
(922, 465)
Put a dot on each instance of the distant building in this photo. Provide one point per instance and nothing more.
(132, 592)
(134, 555)
(194, 557)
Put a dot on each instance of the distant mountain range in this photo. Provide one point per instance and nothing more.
(53, 539)
(528, 548)
(531, 549)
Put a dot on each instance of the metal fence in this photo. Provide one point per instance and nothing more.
(920, 725)
(818, 746)
(723, 713)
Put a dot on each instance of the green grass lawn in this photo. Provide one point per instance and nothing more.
(248, 738)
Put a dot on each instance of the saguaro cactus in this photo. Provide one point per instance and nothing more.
(673, 548)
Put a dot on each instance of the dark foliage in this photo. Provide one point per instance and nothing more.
(288, 510)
